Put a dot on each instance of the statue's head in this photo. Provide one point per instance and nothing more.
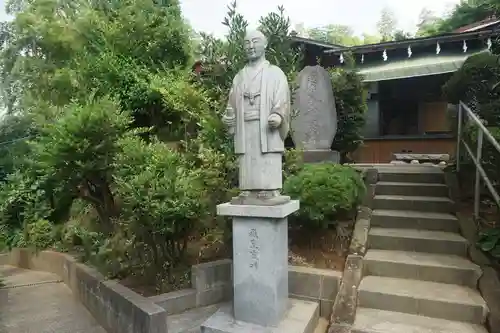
(255, 45)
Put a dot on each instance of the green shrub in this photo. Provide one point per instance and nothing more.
(292, 162)
(77, 236)
(326, 192)
(351, 107)
(489, 241)
(41, 234)
(162, 202)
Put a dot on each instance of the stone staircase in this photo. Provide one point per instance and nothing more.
(417, 277)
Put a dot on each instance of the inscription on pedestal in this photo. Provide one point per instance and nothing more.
(254, 248)
(260, 269)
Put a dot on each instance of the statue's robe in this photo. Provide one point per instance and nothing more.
(257, 92)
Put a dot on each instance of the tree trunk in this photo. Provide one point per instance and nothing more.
(97, 192)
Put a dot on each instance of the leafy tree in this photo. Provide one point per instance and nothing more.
(401, 35)
(335, 34)
(370, 39)
(58, 51)
(77, 149)
(14, 130)
(428, 23)
(350, 100)
(161, 205)
(386, 25)
(464, 13)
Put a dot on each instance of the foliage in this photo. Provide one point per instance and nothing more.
(41, 234)
(401, 35)
(14, 130)
(77, 150)
(464, 13)
(428, 24)
(476, 84)
(351, 107)
(23, 201)
(223, 59)
(293, 162)
(387, 24)
(58, 52)
(93, 89)
(335, 34)
(161, 203)
(75, 235)
(489, 242)
(326, 192)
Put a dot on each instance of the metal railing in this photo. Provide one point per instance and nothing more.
(482, 132)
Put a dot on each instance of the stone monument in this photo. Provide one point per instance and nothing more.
(315, 123)
(258, 117)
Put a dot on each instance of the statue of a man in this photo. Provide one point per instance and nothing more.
(258, 116)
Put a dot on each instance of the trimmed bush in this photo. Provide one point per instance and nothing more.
(326, 192)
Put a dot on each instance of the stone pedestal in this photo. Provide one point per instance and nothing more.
(260, 274)
(321, 155)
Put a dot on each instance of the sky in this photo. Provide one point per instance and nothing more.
(361, 15)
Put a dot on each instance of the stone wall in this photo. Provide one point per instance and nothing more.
(212, 284)
(115, 307)
(344, 307)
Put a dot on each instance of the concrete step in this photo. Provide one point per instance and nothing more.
(379, 321)
(414, 203)
(428, 241)
(414, 220)
(410, 174)
(437, 300)
(419, 189)
(422, 266)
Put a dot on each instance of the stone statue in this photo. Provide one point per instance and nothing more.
(257, 115)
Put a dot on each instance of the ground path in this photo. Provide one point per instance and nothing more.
(39, 302)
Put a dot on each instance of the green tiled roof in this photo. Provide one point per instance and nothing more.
(413, 67)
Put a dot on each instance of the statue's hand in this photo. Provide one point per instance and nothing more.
(274, 120)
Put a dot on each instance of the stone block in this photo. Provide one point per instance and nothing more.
(344, 307)
(300, 317)
(177, 301)
(260, 269)
(130, 312)
(270, 212)
(364, 212)
(489, 286)
(325, 308)
(211, 275)
(369, 195)
(330, 283)
(371, 176)
(215, 295)
(359, 240)
(313, 283)
(303, 282)
(320, 156)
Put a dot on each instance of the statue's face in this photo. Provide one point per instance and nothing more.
(255, 45)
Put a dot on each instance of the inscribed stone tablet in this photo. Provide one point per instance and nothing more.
(314, 123)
